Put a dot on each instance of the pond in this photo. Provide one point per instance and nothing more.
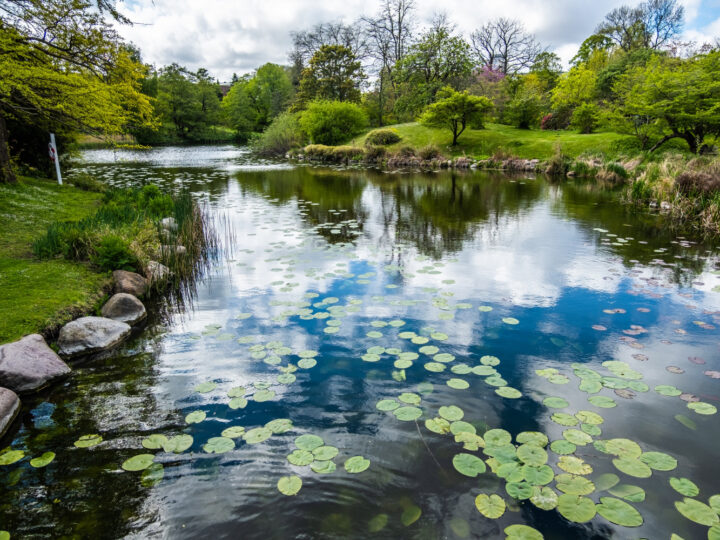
(422, 355)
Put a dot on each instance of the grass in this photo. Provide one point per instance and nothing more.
(522, 143)
(40, 295)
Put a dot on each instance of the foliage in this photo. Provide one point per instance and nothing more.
(382, 137)
(65, 68)
(114, 253)
(334, 74)
(429, 152)
(455, 110)
(525, 109)
(650, 25)
(283, 134)
(332, 122)
(575, 87)
(671, 98)
(585, 118)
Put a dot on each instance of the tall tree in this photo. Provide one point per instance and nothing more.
(334, 73)
(651, 25)
(455, 111)
(505, 45)
(64, 67)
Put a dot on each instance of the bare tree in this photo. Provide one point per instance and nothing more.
(307, 42)
(652, 24)
(504, 45)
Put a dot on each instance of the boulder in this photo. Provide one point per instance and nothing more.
(169, 224)
(130, 283)
(88, 335)
(9, 407)
(166, 252)
(29, 364)
(157, 272)
(125, 308)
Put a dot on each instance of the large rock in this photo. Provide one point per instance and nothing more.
(125, 308)
(130, 283)
(169, 224)
(168, 252)
(9, 407)
(157, 272)
(29, 365)
(90, 335)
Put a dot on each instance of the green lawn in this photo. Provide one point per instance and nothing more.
(34, 294)
(522, 143)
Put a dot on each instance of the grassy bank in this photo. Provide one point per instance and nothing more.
(38, 294)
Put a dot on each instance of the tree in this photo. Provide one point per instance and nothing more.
(455, 111)
(64, 68)
(439, 59)
(548, 67)
(334, 73)
(678, 98)
(332, 122)
(575, 87)
(651, 25)
(505, 45)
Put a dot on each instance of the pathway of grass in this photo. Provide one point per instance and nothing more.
(523, 143)
(34, 294)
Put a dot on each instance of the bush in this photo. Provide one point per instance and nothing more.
(382, 137)
(694, 182)
(641, 190)
(113, 253)
(375, 153)
(523, 111)
(429, 152)
(283, 134)
(613, 173)
(343, 153)
(332, 122)
(87, 183)
(318, 151)
(406, 151)
(582, 169)
(585, 118)
(559, 164)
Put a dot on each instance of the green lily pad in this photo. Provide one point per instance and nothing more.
(238, 403)
(257, 435)
(544, 498)
(589, 417)
(667, 390)
(378, 523)
(532, 437)
(300, 457)
(574, 484)
(701, 407)
(562, 447)
(555, 402)
(658, 461)
(178, 444)
(153, 475)
(522, 532)
(323, 467)
(468, 465)
(233, 432)
(628, 492)
(564, 419)
(307, 363)
(576, 508)
(451, 413)
(407, 414)
(43, 460)
(632, 467)
(510, 320)
(684, 486)
(696, 511)
(425, 387)
(619, 512)
(519, 490)
(531, 454)
(590, 386)
(410, 398)
(606, 481)
(11, 456)
(624, 448)
(574, 465)
(410, 515)
(577, 437)
(714, 503)
(490, 506)
(154, 441)
(219, 445)
(263, 395)
(603, 402)
(685, 421)
(508, 392)
(195, 417)
(87, 441)
(458, 384)
(325, 453)
(438, 425)
(538, 476)
(205, 387)
(309, 442)
(387, 405)
(138, 463)
(279, 425)
(289, 485)
(356, 464)
(496, 437)
(284, 378)
(429, 350)
(434, 367)
(462, 427)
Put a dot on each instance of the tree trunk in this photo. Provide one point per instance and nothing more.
(7, 175)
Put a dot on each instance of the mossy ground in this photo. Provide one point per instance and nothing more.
(36, 295)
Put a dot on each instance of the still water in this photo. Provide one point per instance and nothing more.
(398, 317)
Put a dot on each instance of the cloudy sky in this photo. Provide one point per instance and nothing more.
(237, 36)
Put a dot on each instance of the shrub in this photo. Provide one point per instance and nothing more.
(585, 118)
(547, 122)
(523, 111)
(87, 183)
(559, 164)
(318, 151)
(429, 152)
(613, 173)
(583, 169)
(694, 182)
(406, 151)
(641, 190)
(282, 135)
(113, 253)
(375, 153)
(382, 137)
(332, 122)
(342, 153)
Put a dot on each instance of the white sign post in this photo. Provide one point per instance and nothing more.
(52, 148)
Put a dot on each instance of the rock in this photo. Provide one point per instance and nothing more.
(29, 365)
(167, 251)
(653, 204)
(130, 283)
(169, 223)
(9, 407)
(157, 272)
(665, 206)
(125, 308)
(91, 334)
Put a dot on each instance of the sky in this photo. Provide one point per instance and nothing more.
(238, 36)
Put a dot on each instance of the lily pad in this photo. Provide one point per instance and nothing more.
(531, 454)
(562, 447)
(628, 492)
(138, 463)
(519, 490)
(606, 481)
(300, 457)
(438, 425)
(410, 398)
(574, 484)
(154, 441)
(407, 414)
(219, 445)
(490, 506)
(522, 532)
(178, 444)
(632, 467)
(555, 402)
(195, 417)
(458, 384)
(87, 441)
(468, 465)
(619, 512)
(576, 508)
(289, 485)
(263, 395)
(696, 511)
(538, 476)
(684, 486)
(497, 437)
(544, 498)
(43, 460)
(574, 465)
(309, 442)
(532, 437)
(410, 515)
(233, 432)
(238, 403)
(153, 475)
(577, 437)
(451, 413)
(307, 363)
(387, 405)
(325, 453)
(279, 425)
(510, 320)
(658, 461)
(257, 435)
(667, 390)
(205, 387)
(323, 467)
(700, 407)
(564, 419)
(603, 402)
(356, 464)
(508, 392)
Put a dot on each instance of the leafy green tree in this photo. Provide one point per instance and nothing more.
(332, 122)
(586, 117)
(525, 108)
(548, 68)
(672, 98)
(575, 87)
(64, 68)
(334, 73)
(455, 111)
